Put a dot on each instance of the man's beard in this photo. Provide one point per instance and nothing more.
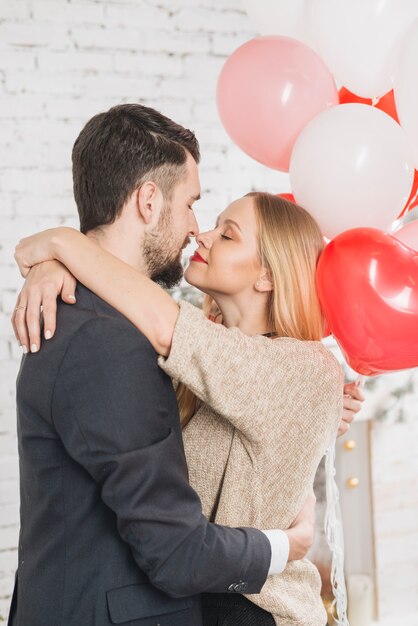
(161, 255)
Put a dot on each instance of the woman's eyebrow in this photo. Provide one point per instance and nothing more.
(227, 221)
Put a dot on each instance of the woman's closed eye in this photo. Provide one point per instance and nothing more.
(225, 237)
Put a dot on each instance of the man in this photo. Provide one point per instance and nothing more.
(111, 531)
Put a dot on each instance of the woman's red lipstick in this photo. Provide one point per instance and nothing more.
(196, 257)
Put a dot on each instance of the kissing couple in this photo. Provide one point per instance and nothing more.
(167, 454)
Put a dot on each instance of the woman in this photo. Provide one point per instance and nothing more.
(260, 397)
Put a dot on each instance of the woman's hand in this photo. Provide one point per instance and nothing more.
(38, 248)
(44, 283)
(301, 533)
(353, 402)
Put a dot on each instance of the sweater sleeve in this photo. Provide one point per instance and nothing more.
(245, 378)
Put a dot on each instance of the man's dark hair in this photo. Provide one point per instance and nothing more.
(119, 150)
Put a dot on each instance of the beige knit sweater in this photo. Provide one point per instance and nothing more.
(270, 409)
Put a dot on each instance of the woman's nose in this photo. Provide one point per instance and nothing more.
(203, 239)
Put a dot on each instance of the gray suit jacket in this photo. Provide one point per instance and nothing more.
(111, 531)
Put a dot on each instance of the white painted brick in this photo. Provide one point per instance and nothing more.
(12, 180)
(65, 13)
(222, 5)
(9, 492)
(24, 106)
(141, 15)
(49, 207)
(111, 84)
(193, 69)
(5, 327)
(178, 43)
(8, 247)
(207, 20)
(178, 108)
(10, 514)
(148, 64)
(18, 227)
(7, 131)
(78, 61)
(9, 417)
(42, 83)
(189, 89)
(5, 587)
(8, 538)
(8, 442)
(206, 110)
(8, 278)
(7, 388)
(31, 152)
(19, 153)
(51, 132)
(137, 40)
(6, 204)
(213, 160)
(12, 11)
(225, 44)
(210, 135)
(32, 34)
(8, 375)
(52, 182)
(12, 59)
(100, 37)
(8, 561)
(71, 221)
(4, 607)
(47, 158)
(15, 351)
(4, 349)
(78, 108)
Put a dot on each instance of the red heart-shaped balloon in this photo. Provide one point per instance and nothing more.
(368, 288)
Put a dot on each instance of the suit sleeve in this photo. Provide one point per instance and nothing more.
(109, 407)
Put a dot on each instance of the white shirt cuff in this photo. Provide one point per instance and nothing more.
(279, 550)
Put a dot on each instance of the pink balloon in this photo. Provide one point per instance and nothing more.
(408, 235)
(268, 90)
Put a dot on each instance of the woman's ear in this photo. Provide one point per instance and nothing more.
(148, 199)
(265, 282)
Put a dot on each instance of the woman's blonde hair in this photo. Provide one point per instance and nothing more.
(290, 243)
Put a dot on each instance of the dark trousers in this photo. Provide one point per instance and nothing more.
(227, 609)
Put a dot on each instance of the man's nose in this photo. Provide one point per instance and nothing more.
(193, 226)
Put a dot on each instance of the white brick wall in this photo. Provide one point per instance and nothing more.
(60, 63)
(394, 465)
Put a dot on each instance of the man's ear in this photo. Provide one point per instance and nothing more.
(265, 281)
(148, 199)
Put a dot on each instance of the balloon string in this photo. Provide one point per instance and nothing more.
(335, 536)
(360, 381)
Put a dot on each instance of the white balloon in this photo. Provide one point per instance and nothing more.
(360, 40)
(288, 18)
(406, 89)
(351, 167)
